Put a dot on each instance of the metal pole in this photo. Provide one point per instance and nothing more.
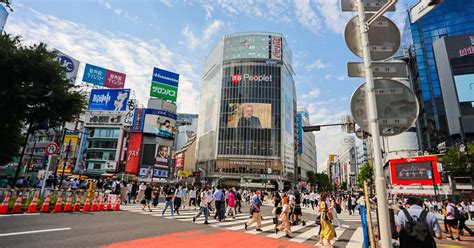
(434, 183)
(18, 168)
(369, 216)
(380, 187)
(50, 157)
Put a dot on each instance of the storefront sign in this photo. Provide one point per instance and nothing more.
(133, 153)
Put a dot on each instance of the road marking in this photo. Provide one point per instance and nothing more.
(306, 235)
(281, 233)
(242, 227)
(10, 215)
(35, 231)
(357, 239)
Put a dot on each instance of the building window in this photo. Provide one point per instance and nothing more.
(97, 166)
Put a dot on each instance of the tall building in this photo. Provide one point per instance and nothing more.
(437, 120)
(348, 161)
(247, 114)
(306, 146)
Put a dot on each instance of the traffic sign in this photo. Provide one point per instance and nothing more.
(422, 8)
(370, 5)
(52, 148)
(397, 107)
(392, 69)
(384, 38)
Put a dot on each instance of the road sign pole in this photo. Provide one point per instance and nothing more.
(50, 157)
(382, 205)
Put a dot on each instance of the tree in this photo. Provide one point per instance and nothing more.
(34, 93)
(344, 186)
(455, 161)
(366, 173)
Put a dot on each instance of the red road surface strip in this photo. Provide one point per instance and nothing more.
(198, 239)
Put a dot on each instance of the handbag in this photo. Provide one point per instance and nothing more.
(275, 221)
(318, 220)
(143, 201)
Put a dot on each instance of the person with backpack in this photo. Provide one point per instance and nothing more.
(462, 221)
(336, 209)
(416, 226)
(452, 218)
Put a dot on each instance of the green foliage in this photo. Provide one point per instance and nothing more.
(454, 161)
(319, 179)
(344, 186)
(366, 173)
(34, 92)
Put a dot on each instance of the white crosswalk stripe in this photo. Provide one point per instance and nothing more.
(300, 234)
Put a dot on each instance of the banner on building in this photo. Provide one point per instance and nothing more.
(160, 123)
(129, 113)
(180, 160)
(109, 100)
(103, 77)
(70, 65)
(415, 171)
(69, 152)
(300, 133)
(164, 85)
(133, 153)
(138, 120)
(148, 171)
(162, 156)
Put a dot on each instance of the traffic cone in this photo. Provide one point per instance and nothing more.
(59, 205)
(109, 204)
(17, 207)
(68, 207)
(87, 206)
(95, 207)
(45, 206)
(33, 206)
(101, 204)
(77, 206)
(117, 204)
(4, 207)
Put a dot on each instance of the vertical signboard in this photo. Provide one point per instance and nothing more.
(164, 85)
(103, 77)
(276, 47)
(129, 113)
(133, 153)
(69, 150)
(109, 100)
(300, 133)
(138, 120)
(69, 64)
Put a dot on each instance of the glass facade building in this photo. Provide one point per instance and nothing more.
(247, 118)
(451, 18)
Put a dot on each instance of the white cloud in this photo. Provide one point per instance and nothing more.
(316, 65)
(328, 76)
(104, 3)
(314, 93)
(118, 11)
(306, 16)
(341, 78)
(209, 10)
(193, 41)
(334, 19)
(130, 55)
(166, 3)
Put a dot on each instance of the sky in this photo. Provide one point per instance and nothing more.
(136, 35)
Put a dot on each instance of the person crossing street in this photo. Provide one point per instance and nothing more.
(203, 206)
(255, 212)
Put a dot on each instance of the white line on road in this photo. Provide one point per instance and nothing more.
(10, 215)
(36, 231)
(357, 239)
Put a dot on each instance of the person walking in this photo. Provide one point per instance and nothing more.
(129, 192)
(327, 229)
(231, 204)
(312, 199)
(203, 206)
(462, 220)
(141, 192)
(284, 216)
(178, 195)
(334, 206)
(192, 197)
(297, 213)
(147, 197)
(169, 198)
(123, 193)
(219, 201)
(452, 220)
(255, 211)
(238, 200)
(156, 195)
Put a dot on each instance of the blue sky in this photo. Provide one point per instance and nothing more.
(134, 36)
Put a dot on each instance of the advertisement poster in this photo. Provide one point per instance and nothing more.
(129, 113)
(162, 156)
(250, 115)
(69, 150)
(109, 100)
(160, 123)
(138, 120)
(103, 77)
(415, 171)
(180, 160)
(145, 172)
(133, 153)
(70, 65)
(300, 133)
(164, 84)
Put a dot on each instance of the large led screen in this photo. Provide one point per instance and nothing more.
(415, 171)
(465, 87)
(250, 115)
(160, 123)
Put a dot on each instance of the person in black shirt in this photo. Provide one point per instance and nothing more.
(148, 192)
(297, 213)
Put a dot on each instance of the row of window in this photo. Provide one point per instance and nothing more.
(99, 155)
(105, 144)
(105, 133)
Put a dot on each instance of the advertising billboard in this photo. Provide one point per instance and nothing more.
(70, 65)
(249, 115)
(300, 133)
(103, 77)
(415, 171)
(164, 85)
(145, 172)
(179, 160)
(133, 153)
(109, 100)
(129, 113)
(68, 150)
(465, 88)
(160, 123)
(138, 120)
(3, 17)
(162, 156)
(253, 46)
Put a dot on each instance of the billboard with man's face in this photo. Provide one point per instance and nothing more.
(160, 123)
(250, 115)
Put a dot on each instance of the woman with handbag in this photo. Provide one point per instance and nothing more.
(276, 208)
(327, 230)
(285, 217)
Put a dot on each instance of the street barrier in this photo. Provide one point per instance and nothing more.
(101, 204)
(45, 206)
(109, 203)
(95, 207)
(77, 205)
(59, 204)
(68, 207)
(86, 207)
(33, 206)
(4, 207)
(117, 204)
(17, 207)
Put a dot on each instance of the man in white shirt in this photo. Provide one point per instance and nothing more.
(203, 206)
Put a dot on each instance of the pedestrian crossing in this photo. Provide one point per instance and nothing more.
(300, 234)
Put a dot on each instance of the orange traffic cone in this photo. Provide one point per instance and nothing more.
(45, 206)
(33, 206)
(101, 204)
(109, 204)
(95, 207)
(17, 207)
(77, 206)
(59, 205)
(87, 206)
(68, 207)
(4, 206)
(117, 204)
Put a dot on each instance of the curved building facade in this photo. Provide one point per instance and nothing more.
(246, 131)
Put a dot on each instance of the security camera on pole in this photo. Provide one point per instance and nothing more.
(373, 36)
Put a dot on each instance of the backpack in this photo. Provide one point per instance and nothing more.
(416, 233)
(338, 208)
(457, 213)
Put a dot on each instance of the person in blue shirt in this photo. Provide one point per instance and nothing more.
(220, 204)
(255, 211)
